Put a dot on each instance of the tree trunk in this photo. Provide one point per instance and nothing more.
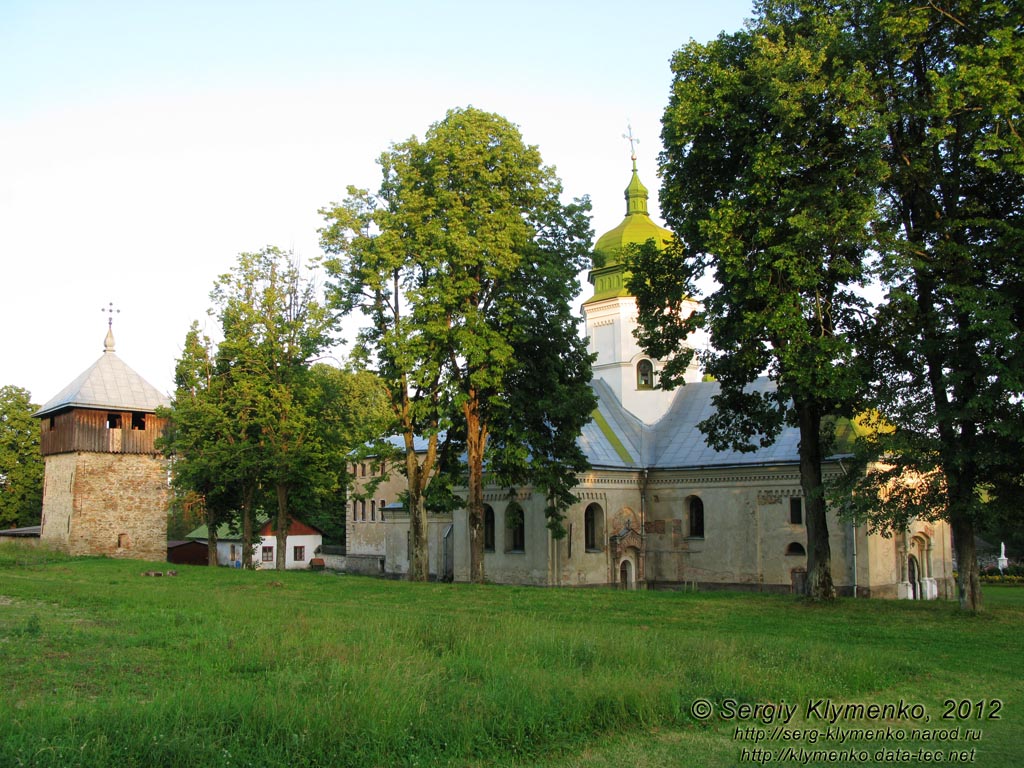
(282, 526)
(419, 545)
(968, 585)
(248, 493)
(211, 543)
(476, 441)
(419, 558)
(819, 553)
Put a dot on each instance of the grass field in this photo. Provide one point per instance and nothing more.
(101, 666)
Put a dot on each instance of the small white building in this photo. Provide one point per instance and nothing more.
(303, 542)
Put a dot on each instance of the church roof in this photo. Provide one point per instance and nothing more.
(615, 439)
(680, 443)
(107, 384)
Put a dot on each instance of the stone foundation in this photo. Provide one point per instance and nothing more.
(106, 504)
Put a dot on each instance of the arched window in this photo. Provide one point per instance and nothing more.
(515, 529)
(488, 528)
(593, 528)
(645, 375)
(795, 548)
(696, 517)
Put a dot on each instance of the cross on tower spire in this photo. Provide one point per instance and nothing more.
(110, 311)
(633, 141)
(108, 343)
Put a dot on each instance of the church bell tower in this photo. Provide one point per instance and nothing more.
(105, 483)
(611, 313)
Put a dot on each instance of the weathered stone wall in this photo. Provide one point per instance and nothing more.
(504, 564)
(334, 562)
(106, 504)
(20, 541)
(749, 539)
(58, 487)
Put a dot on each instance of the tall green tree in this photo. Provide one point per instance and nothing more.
(21, 463)
(373, 269)
(466, 220)
(946, 342)
(768, 183)
(546, 397)
(274, 327)
(201, 440)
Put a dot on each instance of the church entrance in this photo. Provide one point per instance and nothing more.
(913, 574)
(626, 575)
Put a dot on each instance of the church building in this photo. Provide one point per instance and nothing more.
(659, 507)
(105, 487)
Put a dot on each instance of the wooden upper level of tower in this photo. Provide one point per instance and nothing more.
(100, 431)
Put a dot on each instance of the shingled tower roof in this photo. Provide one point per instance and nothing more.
(107, 384)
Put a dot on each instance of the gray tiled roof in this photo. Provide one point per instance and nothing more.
(598, 439)
(679, 442)
(675, 441)
(107, 383)
(420, 444)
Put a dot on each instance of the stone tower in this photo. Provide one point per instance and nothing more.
(611, 313)
(105, 486)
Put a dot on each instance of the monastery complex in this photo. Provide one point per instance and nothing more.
(658, 508)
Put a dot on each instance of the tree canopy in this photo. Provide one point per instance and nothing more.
(21, 464)
(946, 342)
(768, 188)
(465, 263)
(256, 421)
(826, 144)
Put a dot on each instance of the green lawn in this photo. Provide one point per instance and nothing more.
(103, 666)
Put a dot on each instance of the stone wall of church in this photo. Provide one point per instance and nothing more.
(106, 504)
(751, 534)
(614, 500)
(507, 563)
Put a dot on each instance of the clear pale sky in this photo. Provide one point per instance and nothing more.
(143, 145)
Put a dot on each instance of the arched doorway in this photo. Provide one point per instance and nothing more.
(913, 576)
(626, 575)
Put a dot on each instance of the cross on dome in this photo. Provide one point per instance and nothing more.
(633, 141)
